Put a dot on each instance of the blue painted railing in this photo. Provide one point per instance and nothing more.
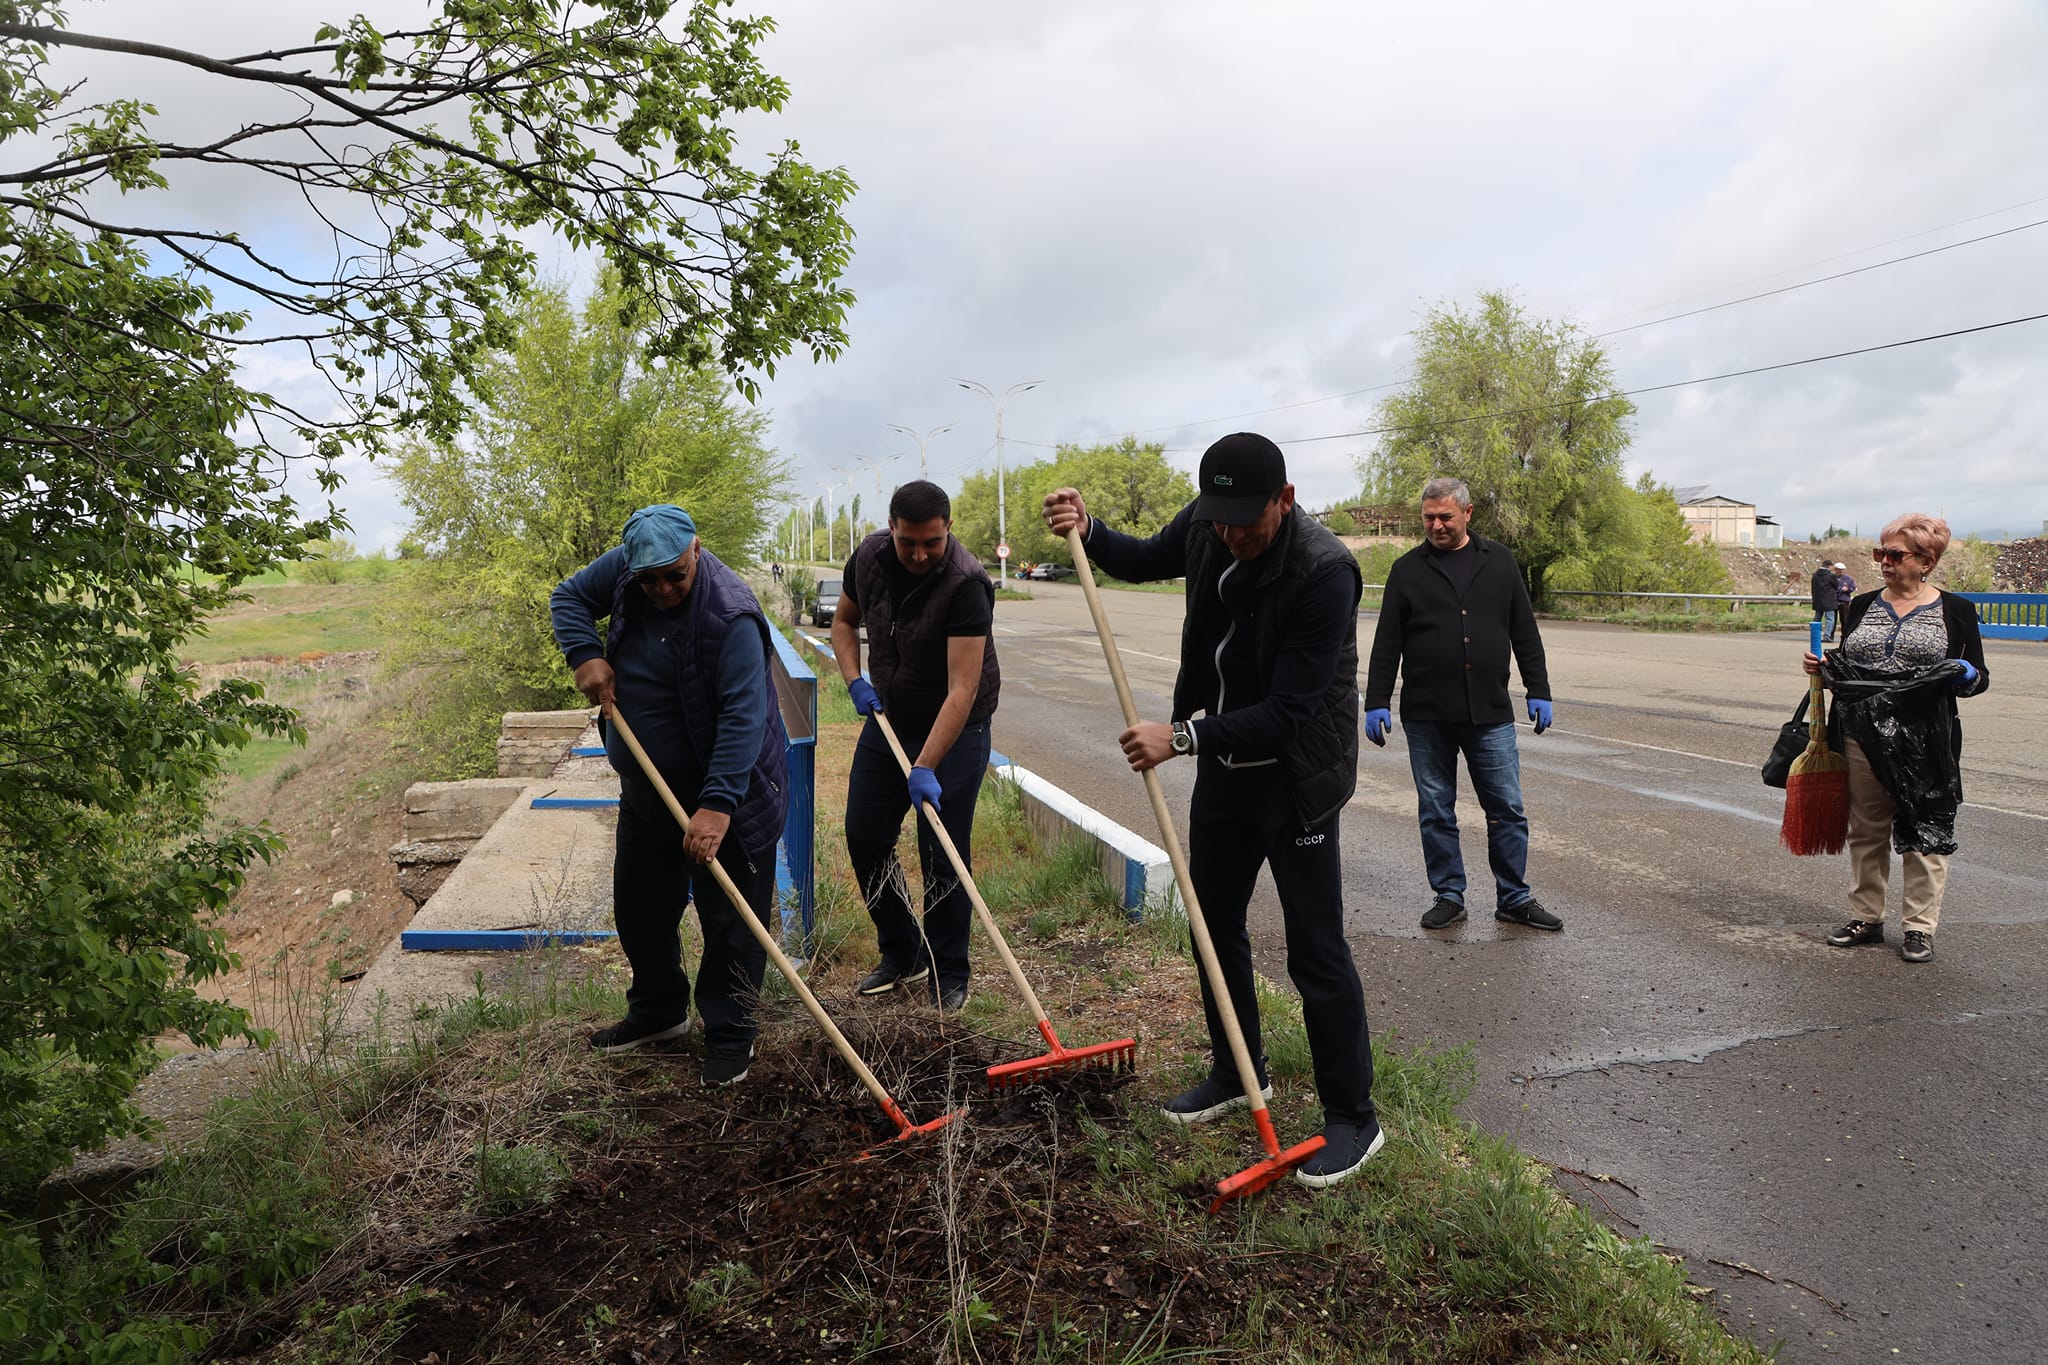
(796, 869)
(2011, 615)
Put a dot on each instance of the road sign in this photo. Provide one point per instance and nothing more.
(1002, 552)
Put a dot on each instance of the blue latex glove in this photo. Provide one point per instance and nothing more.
(1539, 711)
(1969, 673)
(924, 788)
(863, 694)
(1377, 723)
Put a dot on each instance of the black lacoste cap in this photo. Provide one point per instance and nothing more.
(1240, 474)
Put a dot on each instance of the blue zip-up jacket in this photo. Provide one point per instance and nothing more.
(732, 754)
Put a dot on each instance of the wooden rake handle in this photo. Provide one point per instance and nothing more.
(760, 931)
(1247, 1074)
(988, 919)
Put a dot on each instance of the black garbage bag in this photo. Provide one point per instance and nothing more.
(1906, 724)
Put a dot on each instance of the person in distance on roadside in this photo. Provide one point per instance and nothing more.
(1908, 651)
(685, 656)
(1453, 610)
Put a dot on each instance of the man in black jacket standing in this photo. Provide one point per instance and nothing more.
(1454, 607)
(929, 610)
(1269, 656)
(1827, 597)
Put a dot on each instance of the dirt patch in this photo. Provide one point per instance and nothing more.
(319, 912)
(777, 1221)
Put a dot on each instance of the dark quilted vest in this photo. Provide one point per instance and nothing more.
(907, 639)
(1321, 762)
(718, 600)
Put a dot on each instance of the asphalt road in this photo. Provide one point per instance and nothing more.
(1848, 1148)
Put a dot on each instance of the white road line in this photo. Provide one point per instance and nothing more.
(1738, 763)
(1097, 644)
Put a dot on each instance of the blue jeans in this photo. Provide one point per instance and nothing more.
(1496, 769)
(1827, 625)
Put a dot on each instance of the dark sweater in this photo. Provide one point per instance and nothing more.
(1451, 647)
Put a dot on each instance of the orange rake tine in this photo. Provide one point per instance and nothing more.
(1121, 1055)
(906, 1131)
(1277, 1166)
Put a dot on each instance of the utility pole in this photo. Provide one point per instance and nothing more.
(922, 441)
(1002, 515)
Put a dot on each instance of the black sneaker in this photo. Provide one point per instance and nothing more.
(1531, 913)
(951, 999)
(630, 1033)
(1442, 913)
(1216, 1095)
(1918, 947)
(1346, 1149)
(889, 976)
(728, 1065)
(1858, 932)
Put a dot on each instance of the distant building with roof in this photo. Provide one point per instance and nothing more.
(1717, 520)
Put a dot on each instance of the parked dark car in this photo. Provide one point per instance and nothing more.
(825, 601)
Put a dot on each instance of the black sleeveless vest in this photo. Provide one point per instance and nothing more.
(907, 639)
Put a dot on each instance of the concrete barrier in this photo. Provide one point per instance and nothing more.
(1135, 867)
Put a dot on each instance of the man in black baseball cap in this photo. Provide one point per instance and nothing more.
(1269, 658)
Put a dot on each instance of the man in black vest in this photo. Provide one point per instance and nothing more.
(685, 657)
(1269, 655)
(929, 609)
(1827, 597)
(1454, 607)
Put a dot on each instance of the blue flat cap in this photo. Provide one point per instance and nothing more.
(657, 535)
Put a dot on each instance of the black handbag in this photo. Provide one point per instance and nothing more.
(1793, 737)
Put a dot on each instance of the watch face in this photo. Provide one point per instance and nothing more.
(1182, 741)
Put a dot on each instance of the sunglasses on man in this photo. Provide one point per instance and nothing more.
(653, 577)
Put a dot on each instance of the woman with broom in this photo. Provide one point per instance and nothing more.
(1908, 651)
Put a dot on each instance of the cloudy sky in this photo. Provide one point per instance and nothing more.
(1188, 218)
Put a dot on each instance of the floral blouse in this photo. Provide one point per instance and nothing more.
(1892, 643)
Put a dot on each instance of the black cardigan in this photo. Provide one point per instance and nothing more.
(1442, 643)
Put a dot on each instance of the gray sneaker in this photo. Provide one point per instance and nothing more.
(1918, 947)
(630, 1033)
(1531, 913)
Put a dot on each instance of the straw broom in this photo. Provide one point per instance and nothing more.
(1817, 792)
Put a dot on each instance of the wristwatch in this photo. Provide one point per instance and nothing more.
(1183, 738)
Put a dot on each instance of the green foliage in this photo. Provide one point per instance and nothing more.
(515, 1179)
(1524, 411)
(1130, 486)
(1636, 540)
(328, 560)
(578, 434)
(133, 454)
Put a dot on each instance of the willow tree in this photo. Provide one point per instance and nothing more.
(1522, 409)
(144, 475)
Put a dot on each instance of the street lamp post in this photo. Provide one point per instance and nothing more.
(922, 441)
(1002, 515)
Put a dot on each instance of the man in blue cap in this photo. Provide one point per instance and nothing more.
(685, 657)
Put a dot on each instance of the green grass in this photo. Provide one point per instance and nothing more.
(1669, 616)
(285, 620)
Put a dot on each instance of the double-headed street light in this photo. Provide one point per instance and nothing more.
(1002, 516)
(922, 441)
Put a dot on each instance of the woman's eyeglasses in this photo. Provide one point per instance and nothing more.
(1885, 554)
(673, 577)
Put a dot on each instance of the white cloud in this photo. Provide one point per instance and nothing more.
(1176, 211)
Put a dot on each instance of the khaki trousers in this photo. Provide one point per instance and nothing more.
(1870, 854)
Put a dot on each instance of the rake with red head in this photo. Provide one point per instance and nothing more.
(1121, 1055)
(905, 1130)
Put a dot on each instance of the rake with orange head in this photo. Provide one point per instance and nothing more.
(905, 1129)
(1278, 1162)
(1121, 1055)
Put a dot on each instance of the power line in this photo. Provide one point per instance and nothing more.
(1660, 388)
(1838, 275)
(1673, 317)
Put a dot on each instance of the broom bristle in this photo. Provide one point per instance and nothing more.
(1816, 806)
